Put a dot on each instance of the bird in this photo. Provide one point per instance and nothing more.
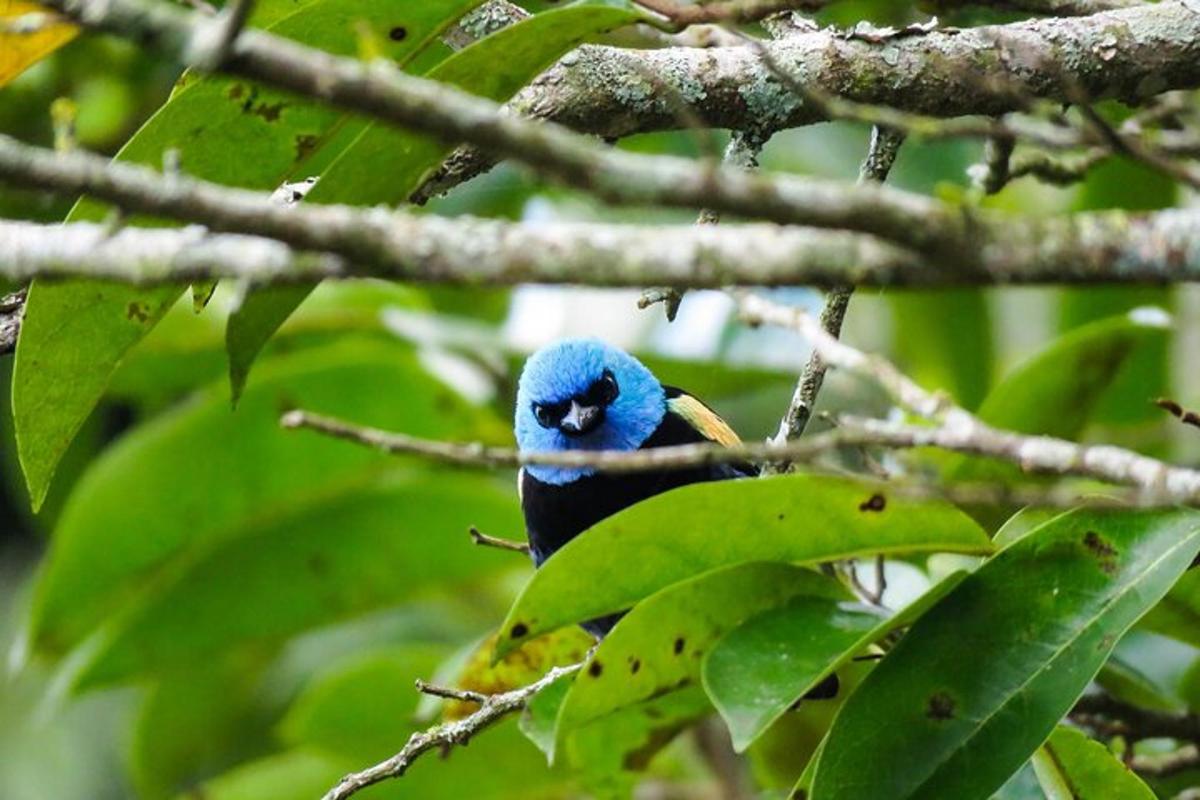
(586, 394)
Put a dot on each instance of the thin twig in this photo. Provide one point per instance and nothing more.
(12, 308)
(742, 151)
(459, 732)
(881, 154)
(212, 45)
(727, 11)
(450, 693)
(1186, 416)
(958, 430)
(1133, 147)
(1163, 766)
(1157, 482)
(1136, 723)
(482, 539)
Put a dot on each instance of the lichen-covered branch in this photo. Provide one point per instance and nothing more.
(954, 428)
(459, 732)
(1136, 723)
(1156, 51)
(1131, 54)
(12, 308)
(881, 154)
(1154, 247)
(684, 14)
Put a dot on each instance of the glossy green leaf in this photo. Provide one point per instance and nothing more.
(979, 682)
(608, 753)
(1054, 392)
(1070, 766)
(761, 668)
(786, 750)
(201, 473)
(611, 754)
(76, 333)
(283, 572)
(384, 165)
(694, 529)
(659, 645)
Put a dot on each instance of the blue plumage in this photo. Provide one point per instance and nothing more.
(575, 377)
(583, 394)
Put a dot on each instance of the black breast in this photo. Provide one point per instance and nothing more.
(555, 514)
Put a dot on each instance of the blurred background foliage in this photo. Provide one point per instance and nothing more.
(239, 608)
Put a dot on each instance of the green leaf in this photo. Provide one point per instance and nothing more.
(609, 753)
(694, 529)
(980, 680)
(1126, 682)
(1054, 392)
(498, 765)
(284, 573)
(194, 723)
(76, 333)
(1178, 615)
(201, 473)
(384, 165)
(659, 645)
(1070, 766)
(761, 668)
(943, 339)
(363, 706)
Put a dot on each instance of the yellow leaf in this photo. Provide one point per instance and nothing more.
(520, 667)
(19, 50)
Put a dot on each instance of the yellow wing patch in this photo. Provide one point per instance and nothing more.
(703, 419)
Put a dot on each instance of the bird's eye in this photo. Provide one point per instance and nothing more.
(604, 390)
(544, 415)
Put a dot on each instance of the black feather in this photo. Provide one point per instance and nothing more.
(556, 514)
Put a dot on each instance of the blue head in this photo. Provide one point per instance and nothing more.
(585, 394)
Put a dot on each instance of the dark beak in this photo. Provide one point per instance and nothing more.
(580, 420)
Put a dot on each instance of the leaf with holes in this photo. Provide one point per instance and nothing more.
(76, 333)
(682, 533)
(659, 645)
(763, 667)
(979, 682)
(384, 165)
(1070, 766)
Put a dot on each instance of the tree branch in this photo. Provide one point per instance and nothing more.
(1164, 37)
(684, 14)
(958, 430)
(885, 145)
(1007, 248)
(1134, 722)
(991, 70)
(492, 708)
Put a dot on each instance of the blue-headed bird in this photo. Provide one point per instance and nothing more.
(585, 394)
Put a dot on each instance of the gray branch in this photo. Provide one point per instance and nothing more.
(492, 708)
(1158, 49)
(1130, 54)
